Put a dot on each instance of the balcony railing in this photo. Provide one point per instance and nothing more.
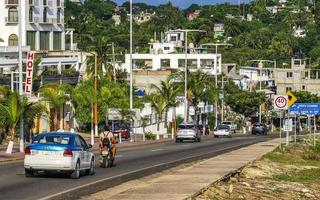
(12, 20)
(47, 21)
(49, 79)
(11, 2)
(13, 49)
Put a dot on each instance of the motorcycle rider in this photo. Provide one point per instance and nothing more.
(107, 134)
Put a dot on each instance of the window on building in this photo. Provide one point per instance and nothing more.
(13, 14)
(13, 40)
(45, 15)
(45, 2)
(13, 2)
(58, 3)
(31, 14)
(59, 15)
(288, 89)
(165, 63)
(289, 74)
(173, 38)
(45, 40)
(303, 87)
(31, 39)
(57, 40)
(166, 48)
(31, 2)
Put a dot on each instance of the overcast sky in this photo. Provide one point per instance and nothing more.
(181, 3)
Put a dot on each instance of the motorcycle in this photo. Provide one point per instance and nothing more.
(106, 157)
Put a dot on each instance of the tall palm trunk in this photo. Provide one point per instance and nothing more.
(55, 120)
(166, 119)
(174, 122)
(12, 133)
(188, 112)
(158, 128)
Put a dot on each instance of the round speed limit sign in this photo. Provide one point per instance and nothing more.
(280, 102)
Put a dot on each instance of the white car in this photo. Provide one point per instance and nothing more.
(59, 152)
(231, 124)
(188, 132)
(223, 130)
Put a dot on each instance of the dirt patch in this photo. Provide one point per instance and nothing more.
(292, 172)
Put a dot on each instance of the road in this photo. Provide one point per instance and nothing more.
(130, 164)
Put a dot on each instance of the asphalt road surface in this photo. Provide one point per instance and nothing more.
(130, 164)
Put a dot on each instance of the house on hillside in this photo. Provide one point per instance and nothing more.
(193, 15)
(143, 17)
(218, 30)
(117, 19)
(299, 32)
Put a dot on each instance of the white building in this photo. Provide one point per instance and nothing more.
(169, 55)
(242, 81)
(42, 24)
(299, 32)
(257, 74)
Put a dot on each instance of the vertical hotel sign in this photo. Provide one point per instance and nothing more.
(29, 73)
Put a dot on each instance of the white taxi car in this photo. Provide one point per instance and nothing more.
(59, 152)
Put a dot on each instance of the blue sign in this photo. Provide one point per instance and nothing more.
(305, 109)
(140, 92)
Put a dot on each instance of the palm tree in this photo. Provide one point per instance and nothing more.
(159, 105)
(15, 108)
(169, 92)
(200, 88)
(56, 96)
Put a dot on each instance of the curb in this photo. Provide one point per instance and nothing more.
(10, 160)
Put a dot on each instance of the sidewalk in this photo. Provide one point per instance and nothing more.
(186, 182)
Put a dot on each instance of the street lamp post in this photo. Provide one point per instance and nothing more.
(131, 68)
(21, 125)
(216, 73)
(186, 31)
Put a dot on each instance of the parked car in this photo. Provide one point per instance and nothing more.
(59, 152)
(188, 131)
(117, 127)
(259, 128)
(223, 130)
(231, 124)
(204, 130)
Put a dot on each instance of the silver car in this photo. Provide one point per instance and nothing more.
(188, 132)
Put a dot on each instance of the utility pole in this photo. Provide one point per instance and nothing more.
(131, 69)
(186, 31)
(96, 89)
(222, 102)
(21, 123)
(114, 64)
(186, 80)
(216, 73)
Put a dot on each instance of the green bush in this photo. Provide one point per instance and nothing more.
(149, 135)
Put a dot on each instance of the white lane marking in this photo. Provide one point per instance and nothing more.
(154, 150)
(118, 156)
